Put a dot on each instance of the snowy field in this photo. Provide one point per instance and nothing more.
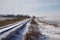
(51, 32)
(50, 20)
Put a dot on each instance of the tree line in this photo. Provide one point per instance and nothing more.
(16, 16)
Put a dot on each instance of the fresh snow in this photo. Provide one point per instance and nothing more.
(50, 32)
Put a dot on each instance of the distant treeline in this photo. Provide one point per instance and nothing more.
(16, 16)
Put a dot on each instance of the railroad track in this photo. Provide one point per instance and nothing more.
(14, 32)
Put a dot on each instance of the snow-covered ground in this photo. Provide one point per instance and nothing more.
(51, 32)
(50, 20)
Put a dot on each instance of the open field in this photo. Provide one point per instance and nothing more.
(49, 22)
(10, 21)
(38, 29)
(50, 30)
(4, 18)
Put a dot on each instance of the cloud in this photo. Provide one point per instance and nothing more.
(30, 7)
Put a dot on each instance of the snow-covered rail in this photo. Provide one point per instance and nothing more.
(8, 30)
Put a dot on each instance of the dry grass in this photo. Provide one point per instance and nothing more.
(31, 36)
(33, 21)
(9, 21)
(56, 25)
(33, 33)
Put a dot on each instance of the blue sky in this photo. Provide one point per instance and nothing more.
(30, 7)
